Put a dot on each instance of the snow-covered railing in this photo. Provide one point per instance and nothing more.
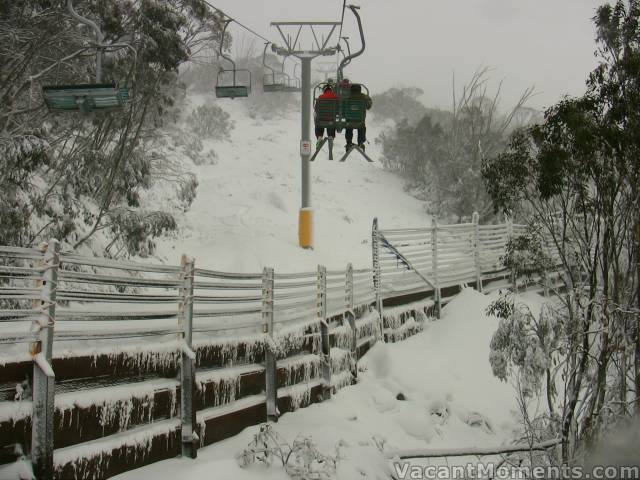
(301, 325)
(429, 259)
(237, 342)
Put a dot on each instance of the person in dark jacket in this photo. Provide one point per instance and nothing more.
(327, 94)
(356, 94)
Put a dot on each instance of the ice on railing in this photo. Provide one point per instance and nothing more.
(294, 337)
(418, 306)
(341, 360)
(15, 411)
(299, 394)
(406, 319)
(228, 348)
(118, 402)
(343, 336)
(408, 328)
(224, 382)
(309, 364)
(341, 380)
(140, 353)
(368, 325)
(99, 451)
(210, 413)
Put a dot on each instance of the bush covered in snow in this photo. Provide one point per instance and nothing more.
(210, 122)
(301, 460)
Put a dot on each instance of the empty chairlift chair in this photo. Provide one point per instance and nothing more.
(85, 98)
(88, 97)
(230, 85)
(233, 82)
(271, 82)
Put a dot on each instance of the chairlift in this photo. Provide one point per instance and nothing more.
(85, 98)
(271, 82)
(297, 87)
(348, 54)
(292, 85)
(227, 83)
(344, 111)
(88, 97)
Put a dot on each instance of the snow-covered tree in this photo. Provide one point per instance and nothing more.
(442, 154)
(72, 176)
(578, 173)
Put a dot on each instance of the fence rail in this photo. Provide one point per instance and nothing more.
(310, 322)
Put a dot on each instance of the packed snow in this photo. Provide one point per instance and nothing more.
(451, 399)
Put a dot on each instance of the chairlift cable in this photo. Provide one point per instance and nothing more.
(236, 21)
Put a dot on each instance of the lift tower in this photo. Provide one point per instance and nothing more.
(320, 47)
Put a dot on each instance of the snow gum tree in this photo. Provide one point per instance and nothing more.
(441, 155)
(86, 177)
(576, 176)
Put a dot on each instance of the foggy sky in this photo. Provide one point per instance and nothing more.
(548, 44)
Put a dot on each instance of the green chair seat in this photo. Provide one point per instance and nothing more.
(233, 83)
(353, 112)
(273, 87)
(232, 91)
(85, 97)
(326, 110)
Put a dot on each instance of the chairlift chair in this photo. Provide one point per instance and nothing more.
(343, 112)
(293, 85)
(88, 97)
(85, 97)
(296, 82)
(234, 88)
(271, 82)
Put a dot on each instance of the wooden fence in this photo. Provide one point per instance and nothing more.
(111, 365)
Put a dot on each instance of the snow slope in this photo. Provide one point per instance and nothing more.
(452, 400)
(245, 215)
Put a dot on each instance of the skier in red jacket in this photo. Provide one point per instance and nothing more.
(327, 94)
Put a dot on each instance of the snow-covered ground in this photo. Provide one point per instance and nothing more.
(245, 215)
(451, 400)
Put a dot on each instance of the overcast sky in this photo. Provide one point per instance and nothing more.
(548, 44)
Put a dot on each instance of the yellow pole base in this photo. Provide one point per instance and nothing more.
(305, 228)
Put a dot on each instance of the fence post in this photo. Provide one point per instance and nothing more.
(325, 356)
(434, 264)
(271, 369)
(476, 250)
(512, 273)
(43, 375)
(377, 277)
(187, 361)
(351, 317)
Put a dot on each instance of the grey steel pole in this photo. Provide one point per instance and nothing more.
(306, 131)
(305, 219)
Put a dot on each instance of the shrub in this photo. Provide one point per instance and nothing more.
(210, 122)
